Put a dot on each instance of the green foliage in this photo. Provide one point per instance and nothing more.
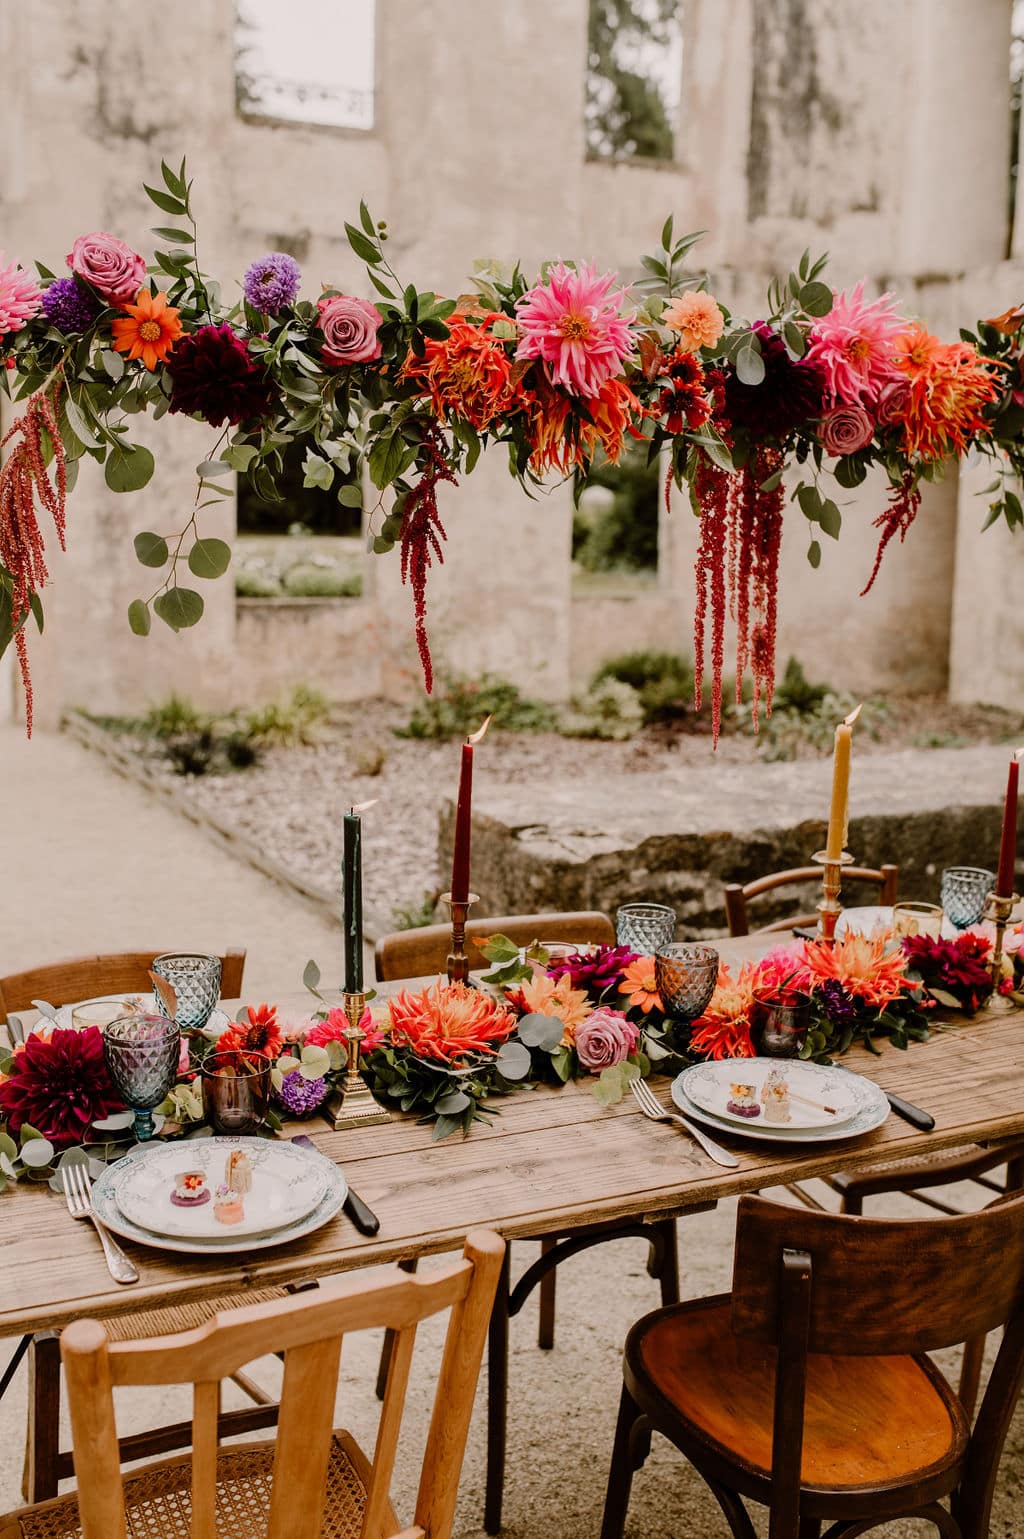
(804, 715)
(458, 706)
(255, 582)
(308, 580)
(624, 536)
(413, 916)
(172, 717)
(663, 680)
(291, 721)
(609, 710)
(626, 113)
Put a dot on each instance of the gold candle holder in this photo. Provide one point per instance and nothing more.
(829, 906)
(998, 909)
(351, 1104)
(458, 961)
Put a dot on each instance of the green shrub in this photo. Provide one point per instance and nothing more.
(805, 715)
(609, 710)
(290, 721)
(458, 706)
(173, 717)
(308, 580)
(254, 582)
(413, 916)
(623, 536)
(663, 680)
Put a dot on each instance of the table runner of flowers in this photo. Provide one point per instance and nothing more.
(562, 369)
(446, 1051)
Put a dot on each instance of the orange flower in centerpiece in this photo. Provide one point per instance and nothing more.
(949, 387)
(259, 1034)
(150, 331)
(449, 1020)
(723, 1031)
(541, 995)
(862, 965)
(469, 374)
(562, 440)
(639, 986)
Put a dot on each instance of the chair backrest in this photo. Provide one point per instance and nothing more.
(423, 953)
(125, 972)
(737, 895)
(307, 1329)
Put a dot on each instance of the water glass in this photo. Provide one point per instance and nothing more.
(236, 1090)
(910, 919)
(781, 1019)
(645, 927)
(964, 892)
(195, 980)
(142, 1053)
(686, 973)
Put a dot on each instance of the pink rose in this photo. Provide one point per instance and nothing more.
(893, 402)
(350, 329)
(112, 268)
(846, 430)
(605, 1039)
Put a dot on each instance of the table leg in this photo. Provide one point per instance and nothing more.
(497, 1402)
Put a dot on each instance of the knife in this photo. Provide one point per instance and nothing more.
(911, 1113)
(364, 1218)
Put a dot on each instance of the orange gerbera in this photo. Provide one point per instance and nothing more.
(556, 997)
(469, 374)
(723, 1031)
(639, 986)
(150, 330)
(261, 1033)
(949, 387)
(862, 965)
(449, 1020)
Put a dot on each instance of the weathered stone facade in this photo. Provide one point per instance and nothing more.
(803, 123)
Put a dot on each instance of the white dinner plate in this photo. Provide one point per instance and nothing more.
(708, 1085)
(871, 1114)
(141, 1004)
(228, 1240)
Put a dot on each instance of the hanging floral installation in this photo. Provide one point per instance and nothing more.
(563, 371)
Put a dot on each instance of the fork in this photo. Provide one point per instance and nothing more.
(652, 1107)
(77, 1193)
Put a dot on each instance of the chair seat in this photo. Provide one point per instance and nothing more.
(869, 1421)
(944, 1167)
(183, 1317)
(158, 1498)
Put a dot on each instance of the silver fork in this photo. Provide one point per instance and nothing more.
(77, 1192)
(652, 1107)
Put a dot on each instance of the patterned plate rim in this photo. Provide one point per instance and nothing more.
(876, 1114)
(862, 1092)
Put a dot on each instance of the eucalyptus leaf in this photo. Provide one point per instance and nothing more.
(179, 608)
(749, 365)
(151, 549)
(129, 469)
(453, 1103)
(311, 975)
(543, 1031)
(513, 1061)
(209, 558)
(139, 619)
(37, 1153)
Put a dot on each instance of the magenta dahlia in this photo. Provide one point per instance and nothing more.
(959, 967)
(596, 972)
(214, 377)
(58, 1084)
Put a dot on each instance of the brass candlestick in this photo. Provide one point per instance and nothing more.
(998, 909)
(458, 961)
(829, 906)
(352, 1105)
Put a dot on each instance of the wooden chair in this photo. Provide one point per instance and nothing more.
(738, 895)
(311, 1481)
(423, 953)
(46, 1463)
(808, 1390)
(413, 954)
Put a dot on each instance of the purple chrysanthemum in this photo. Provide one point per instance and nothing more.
(214, 377)
(299, 1095)
(838, 1005)
(271, 282)
(791, 395)
(69, 306)
(597, 972)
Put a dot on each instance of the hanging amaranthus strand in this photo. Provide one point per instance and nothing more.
(760, 532)
(904, 501)
(23, 478)
(713, 490)
(422, 533)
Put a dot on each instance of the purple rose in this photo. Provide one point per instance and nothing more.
(893, 402)
(605, 1039)
(112, 268)
(350, 329)
(846, 430)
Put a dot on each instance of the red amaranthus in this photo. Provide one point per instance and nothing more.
(422, 533)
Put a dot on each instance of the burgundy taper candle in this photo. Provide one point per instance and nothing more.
(464, 818)
(1008, 847)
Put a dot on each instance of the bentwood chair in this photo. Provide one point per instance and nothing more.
(46, 1463)
(422, 952)
(311, 1482)
(738, 895)
(807, 1389)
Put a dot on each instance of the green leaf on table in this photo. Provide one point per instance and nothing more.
(543, 1031)
(179, 608)
(315, 1063)
(499, 948)
(209, 558)
(949, 1000)
(151, 549)
(139, 619)
(513, 1061)
(128, 469)
(561, 1062)
(445, 1126)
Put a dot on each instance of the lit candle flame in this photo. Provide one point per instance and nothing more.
(1019, 755)
(848, 721)
(476, 736)
(365, 806)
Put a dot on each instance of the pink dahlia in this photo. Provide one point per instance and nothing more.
(577, 327)
(20, 297)
(853, 344)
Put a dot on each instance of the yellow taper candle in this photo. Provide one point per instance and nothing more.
(839, 815)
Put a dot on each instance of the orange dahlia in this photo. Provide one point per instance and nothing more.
(150, 329)
(562, 440)
(639, 986)
(723, 1031)
(469, 374)
(862, 965)
(556, 997)
(950, 385)
(449, 1020)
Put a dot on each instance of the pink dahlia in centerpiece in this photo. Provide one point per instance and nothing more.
(606, 1038)
(597, 971)
(575, 324)
(58, 1084)
(20, 297)
(854, 347)
(214, 376)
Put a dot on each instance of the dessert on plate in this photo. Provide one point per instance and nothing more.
(743, 1101)
(238, 1172)
(228, 1206)
(775, 1097)
(190, 1189)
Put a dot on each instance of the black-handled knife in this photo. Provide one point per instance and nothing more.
(911, 1113)
(364, 1218)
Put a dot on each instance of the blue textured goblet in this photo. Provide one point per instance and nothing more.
(195, 979)
(142, 1053)
(964, 890)
(645, 927)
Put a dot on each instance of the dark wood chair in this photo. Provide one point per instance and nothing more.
(423, 952)
(46, 1462)
(807, 1389)
(738, 895)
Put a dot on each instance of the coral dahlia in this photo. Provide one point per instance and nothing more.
(862, 964)
(469, 374)
(575, 324)
(542, 995)
(950, 385)
(723, 1031)
(448, 1020)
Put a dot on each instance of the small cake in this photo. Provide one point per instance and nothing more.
(742, 1101)
(190, 1189)
(228, 1206)
(775, 1097)
(238, 1172)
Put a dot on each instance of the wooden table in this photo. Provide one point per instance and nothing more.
(552, 1159)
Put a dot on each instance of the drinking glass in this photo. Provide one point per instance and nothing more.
(100, 1012)
(686, 973)
(964, 891)
(236, 1090)
(781, 1019)
(917, 919)
(645, 927)
(141, 1053)
(195, 980)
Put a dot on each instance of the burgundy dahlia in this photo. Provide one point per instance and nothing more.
(790, 396)
(597, 972)
(214, 377)
(59, 1085)
(959, 967)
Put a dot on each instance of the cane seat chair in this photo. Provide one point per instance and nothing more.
(738, 895)
(310, 1482)
(808, 1389)
(416, 953)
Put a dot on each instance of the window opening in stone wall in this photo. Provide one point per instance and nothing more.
(634, 79)
(310, 61)
(1016, 97)
(615, 527)
(307, 546)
